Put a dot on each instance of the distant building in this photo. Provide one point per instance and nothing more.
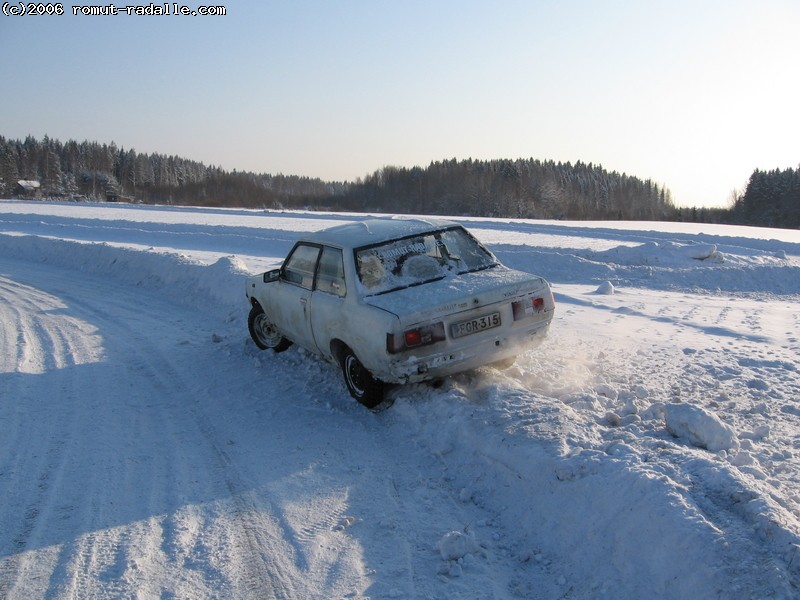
(27, 188)
(114, 197)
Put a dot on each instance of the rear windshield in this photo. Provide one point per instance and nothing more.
(418, 259)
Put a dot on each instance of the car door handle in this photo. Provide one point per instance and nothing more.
(303, 301)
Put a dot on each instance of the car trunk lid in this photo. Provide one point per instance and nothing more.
(456, 294)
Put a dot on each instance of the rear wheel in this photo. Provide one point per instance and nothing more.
(360, 382)
(264, 332)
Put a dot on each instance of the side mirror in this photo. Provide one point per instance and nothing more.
(271, 276)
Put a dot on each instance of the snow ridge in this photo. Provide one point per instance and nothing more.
(213, 288)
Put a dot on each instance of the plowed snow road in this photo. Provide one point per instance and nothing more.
(126, 473)
(139, 457)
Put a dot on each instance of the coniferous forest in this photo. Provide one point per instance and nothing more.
(518, 188)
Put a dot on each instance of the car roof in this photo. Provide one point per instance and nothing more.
(375, 231)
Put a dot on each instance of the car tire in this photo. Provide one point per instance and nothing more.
(263, 331)
(360, 382)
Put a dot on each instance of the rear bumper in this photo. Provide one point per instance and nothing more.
(483, 351)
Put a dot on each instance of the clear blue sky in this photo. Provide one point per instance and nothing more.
(693, 94)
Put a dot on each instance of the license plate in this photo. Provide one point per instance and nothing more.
(475, 325)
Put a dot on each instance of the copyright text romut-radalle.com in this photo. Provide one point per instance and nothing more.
(21, 9)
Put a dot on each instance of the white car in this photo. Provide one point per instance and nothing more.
(397, 301)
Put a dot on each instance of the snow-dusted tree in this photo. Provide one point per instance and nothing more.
(9, 173)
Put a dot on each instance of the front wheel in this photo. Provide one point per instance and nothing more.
(264, 332)
(360, 382)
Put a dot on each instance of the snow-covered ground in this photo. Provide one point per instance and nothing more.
(650, 448)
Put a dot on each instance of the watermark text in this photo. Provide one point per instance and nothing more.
(21, 9)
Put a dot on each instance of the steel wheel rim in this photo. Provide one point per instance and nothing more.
(267, 333)
(354, 374)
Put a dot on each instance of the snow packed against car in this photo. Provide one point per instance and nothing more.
(398, 300)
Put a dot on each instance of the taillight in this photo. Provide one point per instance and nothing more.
(527, 307)
(415, 338)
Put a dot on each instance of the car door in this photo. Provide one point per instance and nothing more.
(327, 311)
(292, 302)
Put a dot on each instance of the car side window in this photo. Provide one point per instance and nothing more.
(299, 267)
(330, 273)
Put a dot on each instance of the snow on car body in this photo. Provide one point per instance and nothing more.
(398, 301)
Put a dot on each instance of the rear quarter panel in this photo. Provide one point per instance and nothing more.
(362, 328)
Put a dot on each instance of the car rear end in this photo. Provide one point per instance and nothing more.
(445, 327)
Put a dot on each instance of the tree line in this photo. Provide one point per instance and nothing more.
(769, 199)
(94, 171)
(520, 188)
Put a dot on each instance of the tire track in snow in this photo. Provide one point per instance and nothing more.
(28, 318)
(258, 575)
(264, 574)
(120, 428)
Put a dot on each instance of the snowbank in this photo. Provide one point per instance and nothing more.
(218, 287)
